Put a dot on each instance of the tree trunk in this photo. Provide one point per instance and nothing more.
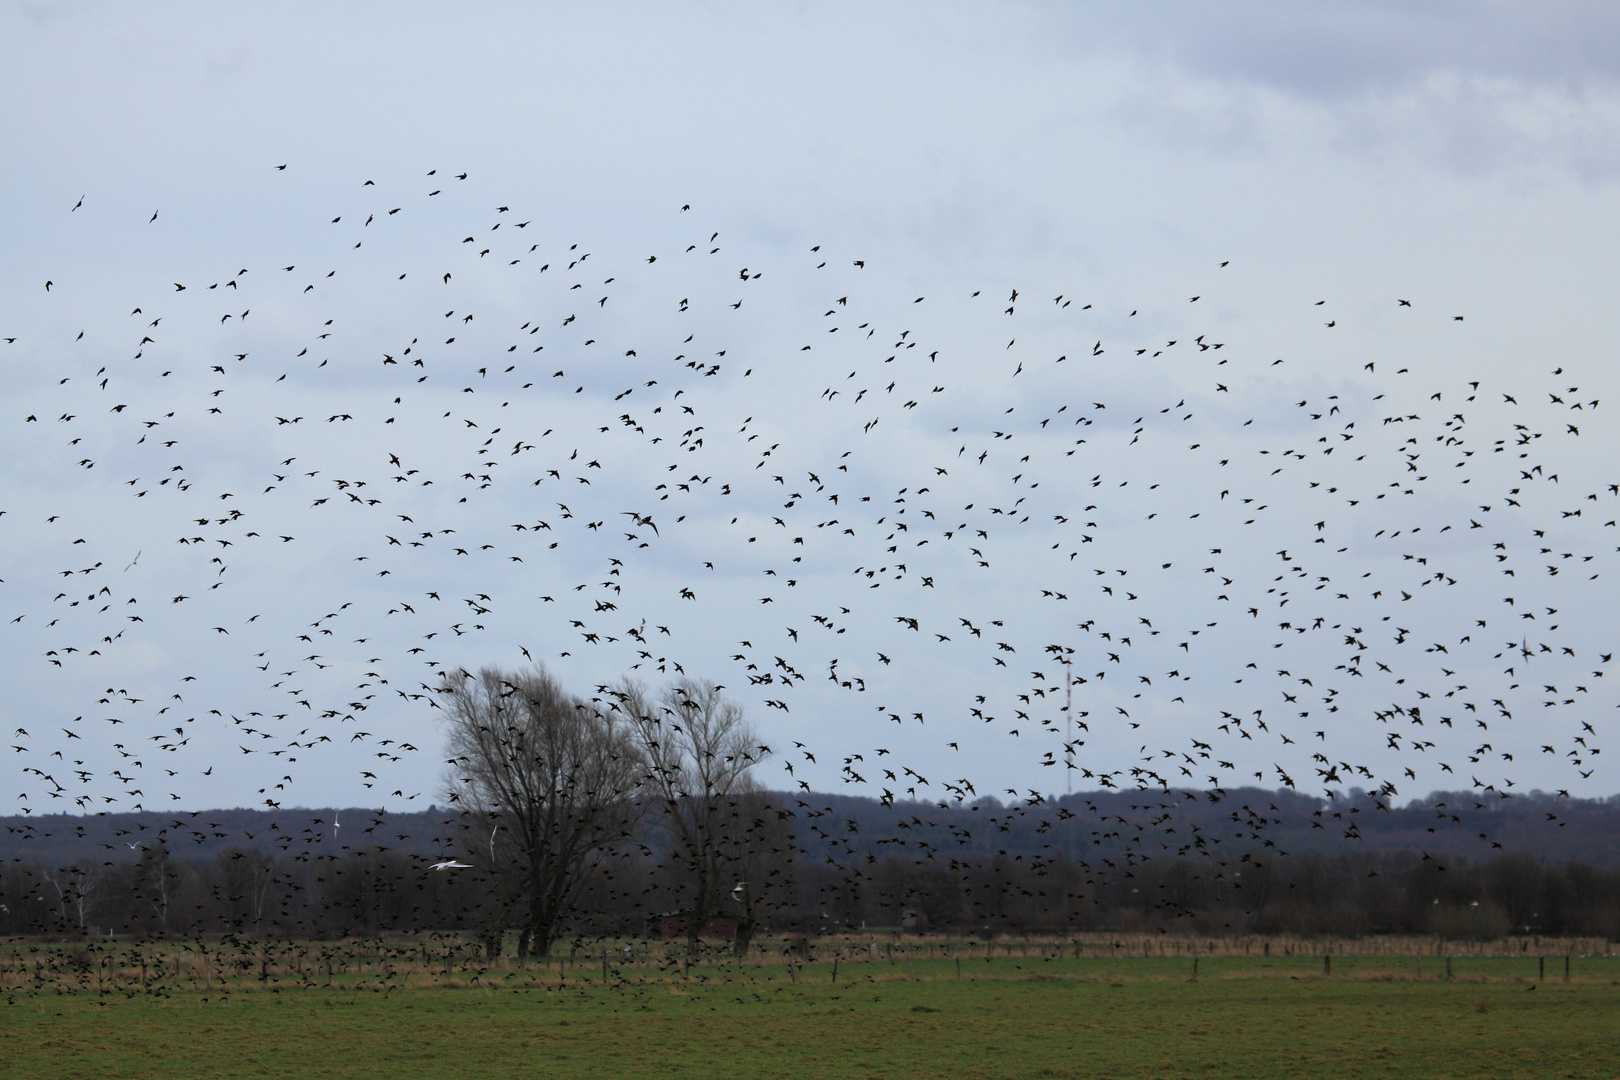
(542, 926)
(493, 937)
(697, 917)
(745, 920)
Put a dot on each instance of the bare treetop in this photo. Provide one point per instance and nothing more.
(550, 782)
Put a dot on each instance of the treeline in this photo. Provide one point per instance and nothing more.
(369, 889)
(374, 890)
(593, 817)
(1229, 863)
(1311, 895)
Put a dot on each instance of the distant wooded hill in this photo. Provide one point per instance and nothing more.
(1101, 825)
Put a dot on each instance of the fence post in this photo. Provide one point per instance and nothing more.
(1541, 969)
(1327, 964)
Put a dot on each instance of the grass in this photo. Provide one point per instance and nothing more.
(1247, 1017)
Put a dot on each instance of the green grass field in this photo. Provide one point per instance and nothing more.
(1249, 1017)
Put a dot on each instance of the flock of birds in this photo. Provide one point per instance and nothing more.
(942, 547)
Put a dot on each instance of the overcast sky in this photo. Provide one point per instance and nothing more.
(875, 184)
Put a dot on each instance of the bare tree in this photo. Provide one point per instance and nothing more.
(155, 881)
(246, 876)
(698, 748)
(547, 785)
(76, 888)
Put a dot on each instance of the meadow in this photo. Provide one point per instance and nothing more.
(403, 1010)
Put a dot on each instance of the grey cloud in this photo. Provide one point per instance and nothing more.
(1481, 88)
(1341, 50)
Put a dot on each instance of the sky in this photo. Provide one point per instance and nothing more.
(1178, 341)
